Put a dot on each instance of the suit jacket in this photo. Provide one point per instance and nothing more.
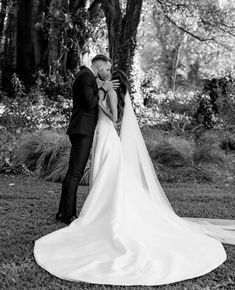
(85, 104)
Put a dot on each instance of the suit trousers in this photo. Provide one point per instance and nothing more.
(79, 154)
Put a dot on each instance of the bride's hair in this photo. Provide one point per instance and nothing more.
(121, 91)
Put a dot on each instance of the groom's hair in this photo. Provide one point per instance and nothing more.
(101, 57)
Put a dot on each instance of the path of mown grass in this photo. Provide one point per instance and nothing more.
(27, 209)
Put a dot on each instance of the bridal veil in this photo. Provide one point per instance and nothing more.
(138, 162)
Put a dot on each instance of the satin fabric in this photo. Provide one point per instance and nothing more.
(127, 233)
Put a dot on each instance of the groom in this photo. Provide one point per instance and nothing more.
(81, 129)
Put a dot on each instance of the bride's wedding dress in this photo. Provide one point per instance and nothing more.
(127, 233)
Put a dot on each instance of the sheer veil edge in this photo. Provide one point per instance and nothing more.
(139, 163)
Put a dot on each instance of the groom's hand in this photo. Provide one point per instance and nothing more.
(108, 85)
(115, 84)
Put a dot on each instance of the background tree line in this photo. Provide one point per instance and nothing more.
(54, 35)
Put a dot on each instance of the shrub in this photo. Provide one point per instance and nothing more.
(46, 153)
(7, 144)
(223, 139)
(60, 167)
(152, 135)
(216, 102)
(40, 151)
(211, 154)
(168, 149)
(172, 155)
(209, 137)
(228, 141)
(34, 113)
(180, 158)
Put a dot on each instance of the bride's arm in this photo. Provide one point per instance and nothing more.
(112, 103)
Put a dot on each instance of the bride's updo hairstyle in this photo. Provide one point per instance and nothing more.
(121, 91)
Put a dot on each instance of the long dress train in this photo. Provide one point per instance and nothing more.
(127, 233)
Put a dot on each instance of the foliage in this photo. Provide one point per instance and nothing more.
(173, 151)
(19, 89)
(46, 154)
(75, 31)
(178, 110)
(53, 86)
(47, 105)
(8, 143)
(186, 41)
(57, 171)
(228, 141)
(168, 111)
(49, 35)
(216, 103)
(205, 114)
(186, 109)
(181, 158)
(39, 151)
(210, 154)
(22, 114)
(221, 138)
(6, 149)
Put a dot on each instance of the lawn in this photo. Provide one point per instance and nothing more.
(28, 206)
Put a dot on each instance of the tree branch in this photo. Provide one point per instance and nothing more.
(220, 25)
(228, 26)
(186, 31)
(226, 31)
(180, 27)
(189, 32)
(178, 5)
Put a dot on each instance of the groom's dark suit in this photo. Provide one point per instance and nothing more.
(81, 130)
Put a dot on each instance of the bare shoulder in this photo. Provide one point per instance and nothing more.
(112, 96)
(111, 92)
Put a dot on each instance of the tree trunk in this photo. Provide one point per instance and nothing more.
(183, 38)
(37, 40)
(43, 39)
(8, 48)
(175, 65)
(2, 38)
(113, 17)
(2, 15)
(122, 29)
(25, 55)
(130, 25)
(64, 44)
(53, 42)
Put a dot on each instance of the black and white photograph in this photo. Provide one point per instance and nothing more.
(117, 144)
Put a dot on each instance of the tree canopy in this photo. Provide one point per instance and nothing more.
(178, 39)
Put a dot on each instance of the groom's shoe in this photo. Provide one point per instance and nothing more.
(67, 220)
(59, 216)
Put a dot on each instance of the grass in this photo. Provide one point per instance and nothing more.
(28, 206)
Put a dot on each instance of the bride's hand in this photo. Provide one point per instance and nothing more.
(101, 95)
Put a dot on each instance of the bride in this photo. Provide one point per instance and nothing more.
(127, 232)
